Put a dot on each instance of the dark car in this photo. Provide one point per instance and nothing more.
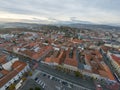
(36, 78)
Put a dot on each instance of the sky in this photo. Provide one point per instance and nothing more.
(52, 11)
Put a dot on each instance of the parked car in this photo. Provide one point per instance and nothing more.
(98, 87)
(36, 78)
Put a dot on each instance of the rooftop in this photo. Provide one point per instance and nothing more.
(116, 58)
(17, 67)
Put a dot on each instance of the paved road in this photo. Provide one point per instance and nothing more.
(53, 84)
(45, 68)
(76, 80)
(30, 83)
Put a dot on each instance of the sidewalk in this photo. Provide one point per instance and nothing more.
(35, 73)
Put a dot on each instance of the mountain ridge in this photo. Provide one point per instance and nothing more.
(73, 25)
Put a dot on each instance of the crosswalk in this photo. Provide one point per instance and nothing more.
(41, 83)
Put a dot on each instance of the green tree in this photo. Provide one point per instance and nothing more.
(11, 87)
(30, 73)
(78, 74)
(92, 78)
(24, 78)
(31, 89)
(37, 88)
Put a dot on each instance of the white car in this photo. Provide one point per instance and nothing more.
(51, 77)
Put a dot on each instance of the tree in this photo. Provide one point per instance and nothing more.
(92, 78)
(30, 73)
(24, 78)
(12, 87)
(78, 74)
(37, 88)
(31, 89)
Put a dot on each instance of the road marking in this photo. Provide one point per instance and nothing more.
(66, 81)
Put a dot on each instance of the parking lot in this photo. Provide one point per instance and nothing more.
(30, 83)
(49, 82)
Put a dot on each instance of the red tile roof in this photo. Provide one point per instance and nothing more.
(77, 41)
(48, 60)
(18, 63)
(59, 59)
(43, 51)
(4, 72)
(116, 58)
(108, 72)
(94, 59)
(17, 67)
(103, 73)
(3, 60)
(71, 62)
(105, 48)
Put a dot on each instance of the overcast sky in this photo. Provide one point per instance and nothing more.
(95, 11)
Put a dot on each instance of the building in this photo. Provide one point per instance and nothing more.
(70, 61)
(9, 76)
(115, 61)
(56, 59)
(97, 66)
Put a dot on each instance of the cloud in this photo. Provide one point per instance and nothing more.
(97, 11)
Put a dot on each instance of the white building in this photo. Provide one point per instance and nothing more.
(113, 45)
(18, 68)
(70, 67)
(115, 61)
(7, 66)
